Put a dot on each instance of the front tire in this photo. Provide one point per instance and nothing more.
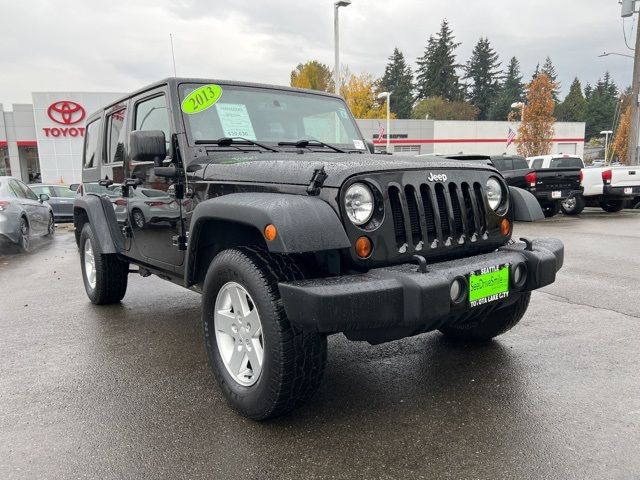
(105, 275)
(51, 226)
(482, 328)
(264, 367)
(573, 205)
(612, 206)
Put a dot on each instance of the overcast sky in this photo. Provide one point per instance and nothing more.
(88, 45)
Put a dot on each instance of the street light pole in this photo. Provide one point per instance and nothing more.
(606, 134)
(336, 43)
(628, 8)
(387, 95)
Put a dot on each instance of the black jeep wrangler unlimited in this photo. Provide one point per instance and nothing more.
(269, 202)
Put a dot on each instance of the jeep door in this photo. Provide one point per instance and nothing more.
(154, 211)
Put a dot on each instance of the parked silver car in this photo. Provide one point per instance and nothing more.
(60, 199)
(23, 215)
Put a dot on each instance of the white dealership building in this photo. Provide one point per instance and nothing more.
(42, 141)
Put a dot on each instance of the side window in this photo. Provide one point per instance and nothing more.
(63, 192)
(92, 134)
(25, 192)
(15, 188)
(537, 164)
(116, 135)
(152, 114)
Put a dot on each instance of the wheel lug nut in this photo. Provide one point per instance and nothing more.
(234, 328)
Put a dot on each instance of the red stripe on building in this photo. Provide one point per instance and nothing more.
(27, 143)
(3, 143)
(462, 140)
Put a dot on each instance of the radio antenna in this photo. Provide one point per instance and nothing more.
(173, 55)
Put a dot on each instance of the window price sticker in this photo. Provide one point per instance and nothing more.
(235, 120)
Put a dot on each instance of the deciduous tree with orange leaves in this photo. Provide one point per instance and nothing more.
(621, 142)
(535, 133)
(360, 93)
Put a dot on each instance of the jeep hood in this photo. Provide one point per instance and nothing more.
(297, 168)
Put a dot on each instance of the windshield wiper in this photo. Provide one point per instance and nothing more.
(227, 141)
(304, 143)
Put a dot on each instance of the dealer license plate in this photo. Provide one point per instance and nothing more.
(556, 194)
(628, 190)
(488, 285)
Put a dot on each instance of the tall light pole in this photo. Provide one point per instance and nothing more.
(606, 134)
(628, 10)
(387, 95)
(336, 41)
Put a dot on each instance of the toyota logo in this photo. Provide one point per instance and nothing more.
(66, 112)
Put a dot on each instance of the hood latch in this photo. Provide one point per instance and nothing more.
(319, 176)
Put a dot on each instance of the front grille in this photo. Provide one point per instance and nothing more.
(437, 215)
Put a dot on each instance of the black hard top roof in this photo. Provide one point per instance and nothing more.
(173, 82)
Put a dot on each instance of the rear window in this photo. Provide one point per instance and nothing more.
(502, 164)
(566, 162)
(63, 192)
(520, 163)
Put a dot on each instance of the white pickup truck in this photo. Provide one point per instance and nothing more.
(610, 188)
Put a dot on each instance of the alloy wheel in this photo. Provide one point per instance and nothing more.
(239, 334)
(89, 264)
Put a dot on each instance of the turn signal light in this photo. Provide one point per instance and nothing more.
(363, 247)
(531, 178)
(505, 227)
(270, 232)
(606, 176)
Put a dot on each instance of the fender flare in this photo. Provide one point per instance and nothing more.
(525, 206)
(102, 220)
(304, 224)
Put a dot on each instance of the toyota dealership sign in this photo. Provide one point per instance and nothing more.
(65, 112)
(60, 120)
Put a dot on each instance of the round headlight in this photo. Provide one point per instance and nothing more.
(358, 202)
(494, 193)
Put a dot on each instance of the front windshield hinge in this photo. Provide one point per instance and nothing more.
(319, 176)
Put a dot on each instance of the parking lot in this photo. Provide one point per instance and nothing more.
(125, 391)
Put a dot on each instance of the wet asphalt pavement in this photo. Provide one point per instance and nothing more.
(125, 391)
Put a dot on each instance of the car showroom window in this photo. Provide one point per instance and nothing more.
(116, 136)
(92, 134)
(152, 114)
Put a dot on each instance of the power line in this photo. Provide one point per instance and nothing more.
(624, 32)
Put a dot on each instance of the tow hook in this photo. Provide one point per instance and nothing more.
(528, 244)
(422, 263)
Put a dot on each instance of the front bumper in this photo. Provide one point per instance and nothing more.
(620, 192)
(400, 296)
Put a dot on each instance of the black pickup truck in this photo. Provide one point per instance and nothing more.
(550, 186)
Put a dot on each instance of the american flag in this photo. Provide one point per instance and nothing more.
(511, 135)
(381, 133)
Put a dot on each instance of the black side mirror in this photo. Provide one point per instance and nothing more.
(44, 197)
(148, 146)
(371, 146)
(74, 187)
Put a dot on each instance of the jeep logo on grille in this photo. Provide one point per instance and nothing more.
(437, 178)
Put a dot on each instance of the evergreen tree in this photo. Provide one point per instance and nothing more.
(550, 70)
(511, 91)
(436, 73)
(601, 106)
(398, 79)
(573, 108)
(482, 70)
(588, 90)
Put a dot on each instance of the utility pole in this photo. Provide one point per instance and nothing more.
(628, 9)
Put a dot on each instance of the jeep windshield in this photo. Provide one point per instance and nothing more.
(243, 117)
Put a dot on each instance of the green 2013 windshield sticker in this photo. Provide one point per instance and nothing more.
(201, 98)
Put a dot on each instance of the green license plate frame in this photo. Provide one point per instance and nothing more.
(488, 285)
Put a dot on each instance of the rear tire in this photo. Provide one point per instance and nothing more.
(292, 361)
(573, 205)
(483, 328)
(105, 275)
(551, 210)
(612, 206)
(24, 235)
